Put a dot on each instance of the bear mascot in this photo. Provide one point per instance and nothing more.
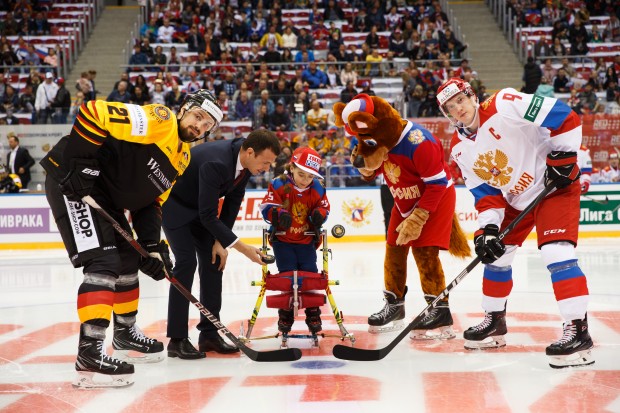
(423, 218)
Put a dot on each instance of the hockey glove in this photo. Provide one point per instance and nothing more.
(585, 187)
(487, 244)
(80, 180)
(562, 169)
(159, 257)
(317, 219)
(281, 219)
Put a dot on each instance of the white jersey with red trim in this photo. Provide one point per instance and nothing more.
(504, 162)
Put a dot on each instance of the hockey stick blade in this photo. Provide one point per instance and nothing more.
(598, 201)
(360, 354)
(287, 354)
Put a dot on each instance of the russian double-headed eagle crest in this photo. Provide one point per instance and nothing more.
(299, 212)
(416, 136)
(493, 168)
(391, 172)
(357, 212)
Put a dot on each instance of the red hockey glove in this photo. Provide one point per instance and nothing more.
(562, 168)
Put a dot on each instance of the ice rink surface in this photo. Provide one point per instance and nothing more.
(39, 334)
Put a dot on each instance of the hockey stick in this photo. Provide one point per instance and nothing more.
(359, 354)
(597, 201)
(289, 354)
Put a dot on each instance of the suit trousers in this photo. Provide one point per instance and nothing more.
(191, 245)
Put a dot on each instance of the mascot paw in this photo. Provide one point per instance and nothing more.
(411, 228)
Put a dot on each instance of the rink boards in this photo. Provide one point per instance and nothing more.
(26, 221)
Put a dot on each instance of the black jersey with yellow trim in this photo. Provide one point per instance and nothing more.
(138, 148)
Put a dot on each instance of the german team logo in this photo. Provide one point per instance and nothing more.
(357, 212)
(416, 137)
(493, 168)
(162, 112)
(391, 171)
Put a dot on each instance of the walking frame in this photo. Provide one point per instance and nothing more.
(301, 281)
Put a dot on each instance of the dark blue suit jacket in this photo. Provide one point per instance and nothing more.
(209, 177)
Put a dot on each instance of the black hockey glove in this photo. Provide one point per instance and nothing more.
(159, 256)
(317, 218)
(562, 169)
(487, 244)
(281, 219)
(80, 180)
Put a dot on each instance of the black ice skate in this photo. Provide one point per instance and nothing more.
(573, 348)
(286, 318)
(488, 334)
(393, 312)
(131, 345)
(313, 320)
(437, 325)
(96, 369)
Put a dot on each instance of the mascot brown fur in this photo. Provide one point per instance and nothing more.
(379, 129)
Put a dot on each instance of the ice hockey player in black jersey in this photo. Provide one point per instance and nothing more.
(127, 158)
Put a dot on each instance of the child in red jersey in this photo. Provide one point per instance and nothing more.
(296, 203)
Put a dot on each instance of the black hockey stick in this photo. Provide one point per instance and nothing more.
(598, 201)
(288, 354)
(360, 354)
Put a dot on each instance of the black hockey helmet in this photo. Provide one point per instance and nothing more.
(204, 100)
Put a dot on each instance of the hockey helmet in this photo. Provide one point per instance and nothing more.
(204, 100)
(450, 89)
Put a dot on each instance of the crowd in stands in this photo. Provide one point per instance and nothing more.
(295, 52)
(574, 52)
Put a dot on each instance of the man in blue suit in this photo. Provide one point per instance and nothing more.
(199, 235)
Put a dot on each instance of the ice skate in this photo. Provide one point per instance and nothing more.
(573, 348)
(131, 345)
(488, 334)
(285, 321)
(436, 325)
(95, 369)
(286, 318)
(393, 312)
(314, 323)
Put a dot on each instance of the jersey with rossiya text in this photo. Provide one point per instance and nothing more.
(415, 170)
(299, 203)
(138, 149)
(505, 160)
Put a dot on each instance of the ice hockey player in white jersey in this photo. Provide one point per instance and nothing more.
(584, 161)
(510, 147)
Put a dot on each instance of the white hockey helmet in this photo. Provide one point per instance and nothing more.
(449, 90)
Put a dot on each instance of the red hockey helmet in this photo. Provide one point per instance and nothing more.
(450, 89)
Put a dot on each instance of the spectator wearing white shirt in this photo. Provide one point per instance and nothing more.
(46, 92)
(289, 38)
(165, 32)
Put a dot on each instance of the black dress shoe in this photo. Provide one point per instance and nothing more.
(183, 349)
(216, 344)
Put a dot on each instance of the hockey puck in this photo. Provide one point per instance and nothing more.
(268, 259)
(338, 231)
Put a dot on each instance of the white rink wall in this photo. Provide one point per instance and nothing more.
(26, 221)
